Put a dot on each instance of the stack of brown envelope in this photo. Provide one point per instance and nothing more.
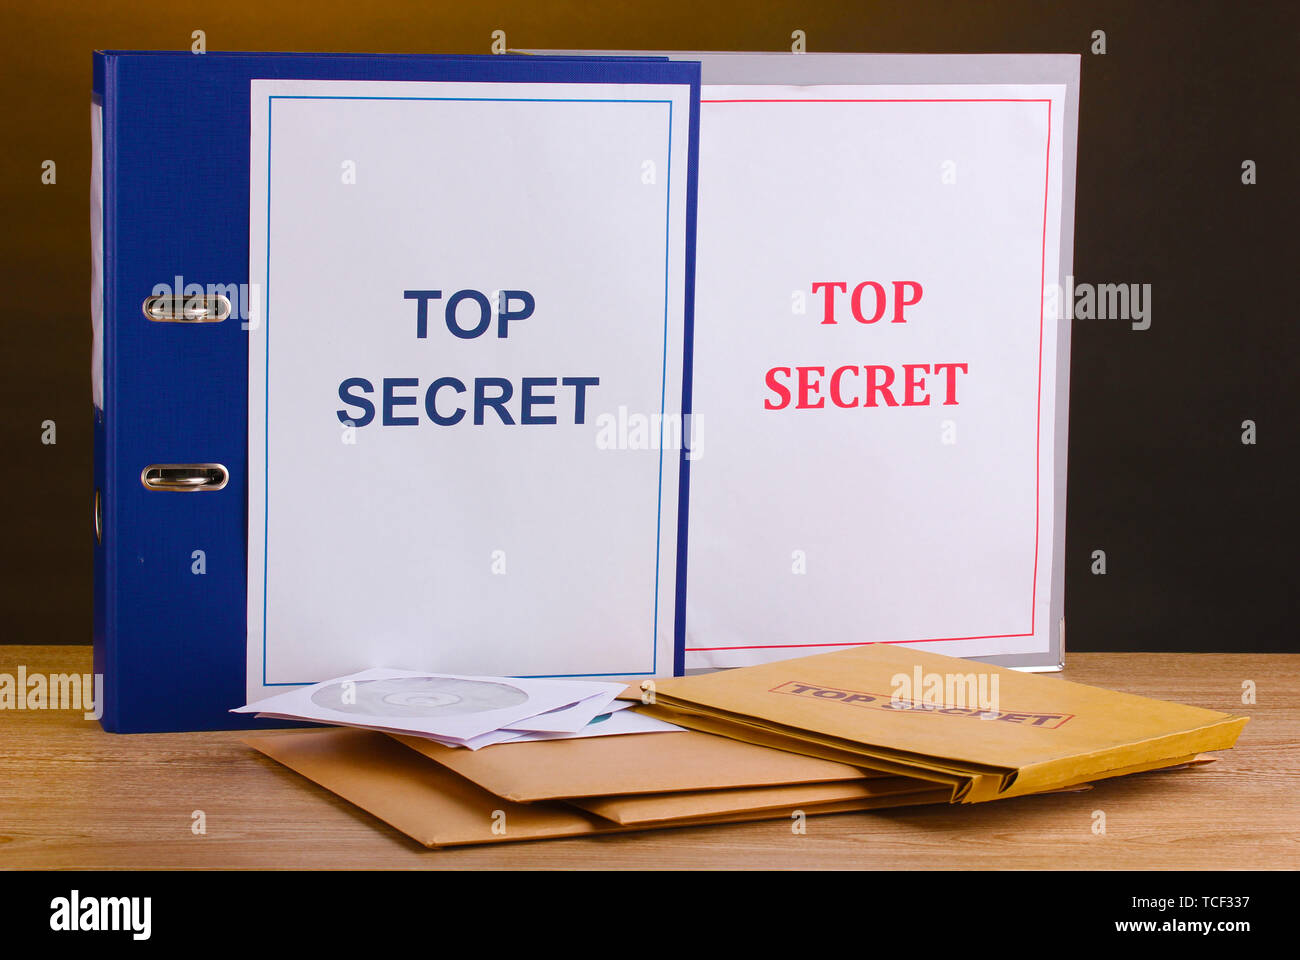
(662, 779)
(445, 797)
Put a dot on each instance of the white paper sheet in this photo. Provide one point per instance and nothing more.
(615, 719)
(826, 526)
(570, 719)
(444, 706)
(535, 549)
(621, 722)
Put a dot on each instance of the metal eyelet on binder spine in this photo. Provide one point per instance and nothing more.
(184, 477)
(171, 308)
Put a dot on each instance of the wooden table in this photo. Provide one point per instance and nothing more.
(72, 796)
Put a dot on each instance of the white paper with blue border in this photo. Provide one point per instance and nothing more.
(465, 378)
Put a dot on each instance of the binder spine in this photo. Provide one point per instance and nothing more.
(688, 373)
(102, 495)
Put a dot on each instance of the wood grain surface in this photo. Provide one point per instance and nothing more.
(72, 796)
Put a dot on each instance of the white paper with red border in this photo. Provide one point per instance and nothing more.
(811, 529)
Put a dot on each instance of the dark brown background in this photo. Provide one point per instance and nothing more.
(1199, 530)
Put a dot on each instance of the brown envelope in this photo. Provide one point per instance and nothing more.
(661, 808)
(665, 809)
(1045, 733)
(808, 809)
(629, 764)
(422, 799)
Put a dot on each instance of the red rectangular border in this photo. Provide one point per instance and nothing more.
(1038, 426)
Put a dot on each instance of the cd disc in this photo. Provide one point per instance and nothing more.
(418, 697)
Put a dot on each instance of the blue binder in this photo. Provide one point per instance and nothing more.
(175, 192)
